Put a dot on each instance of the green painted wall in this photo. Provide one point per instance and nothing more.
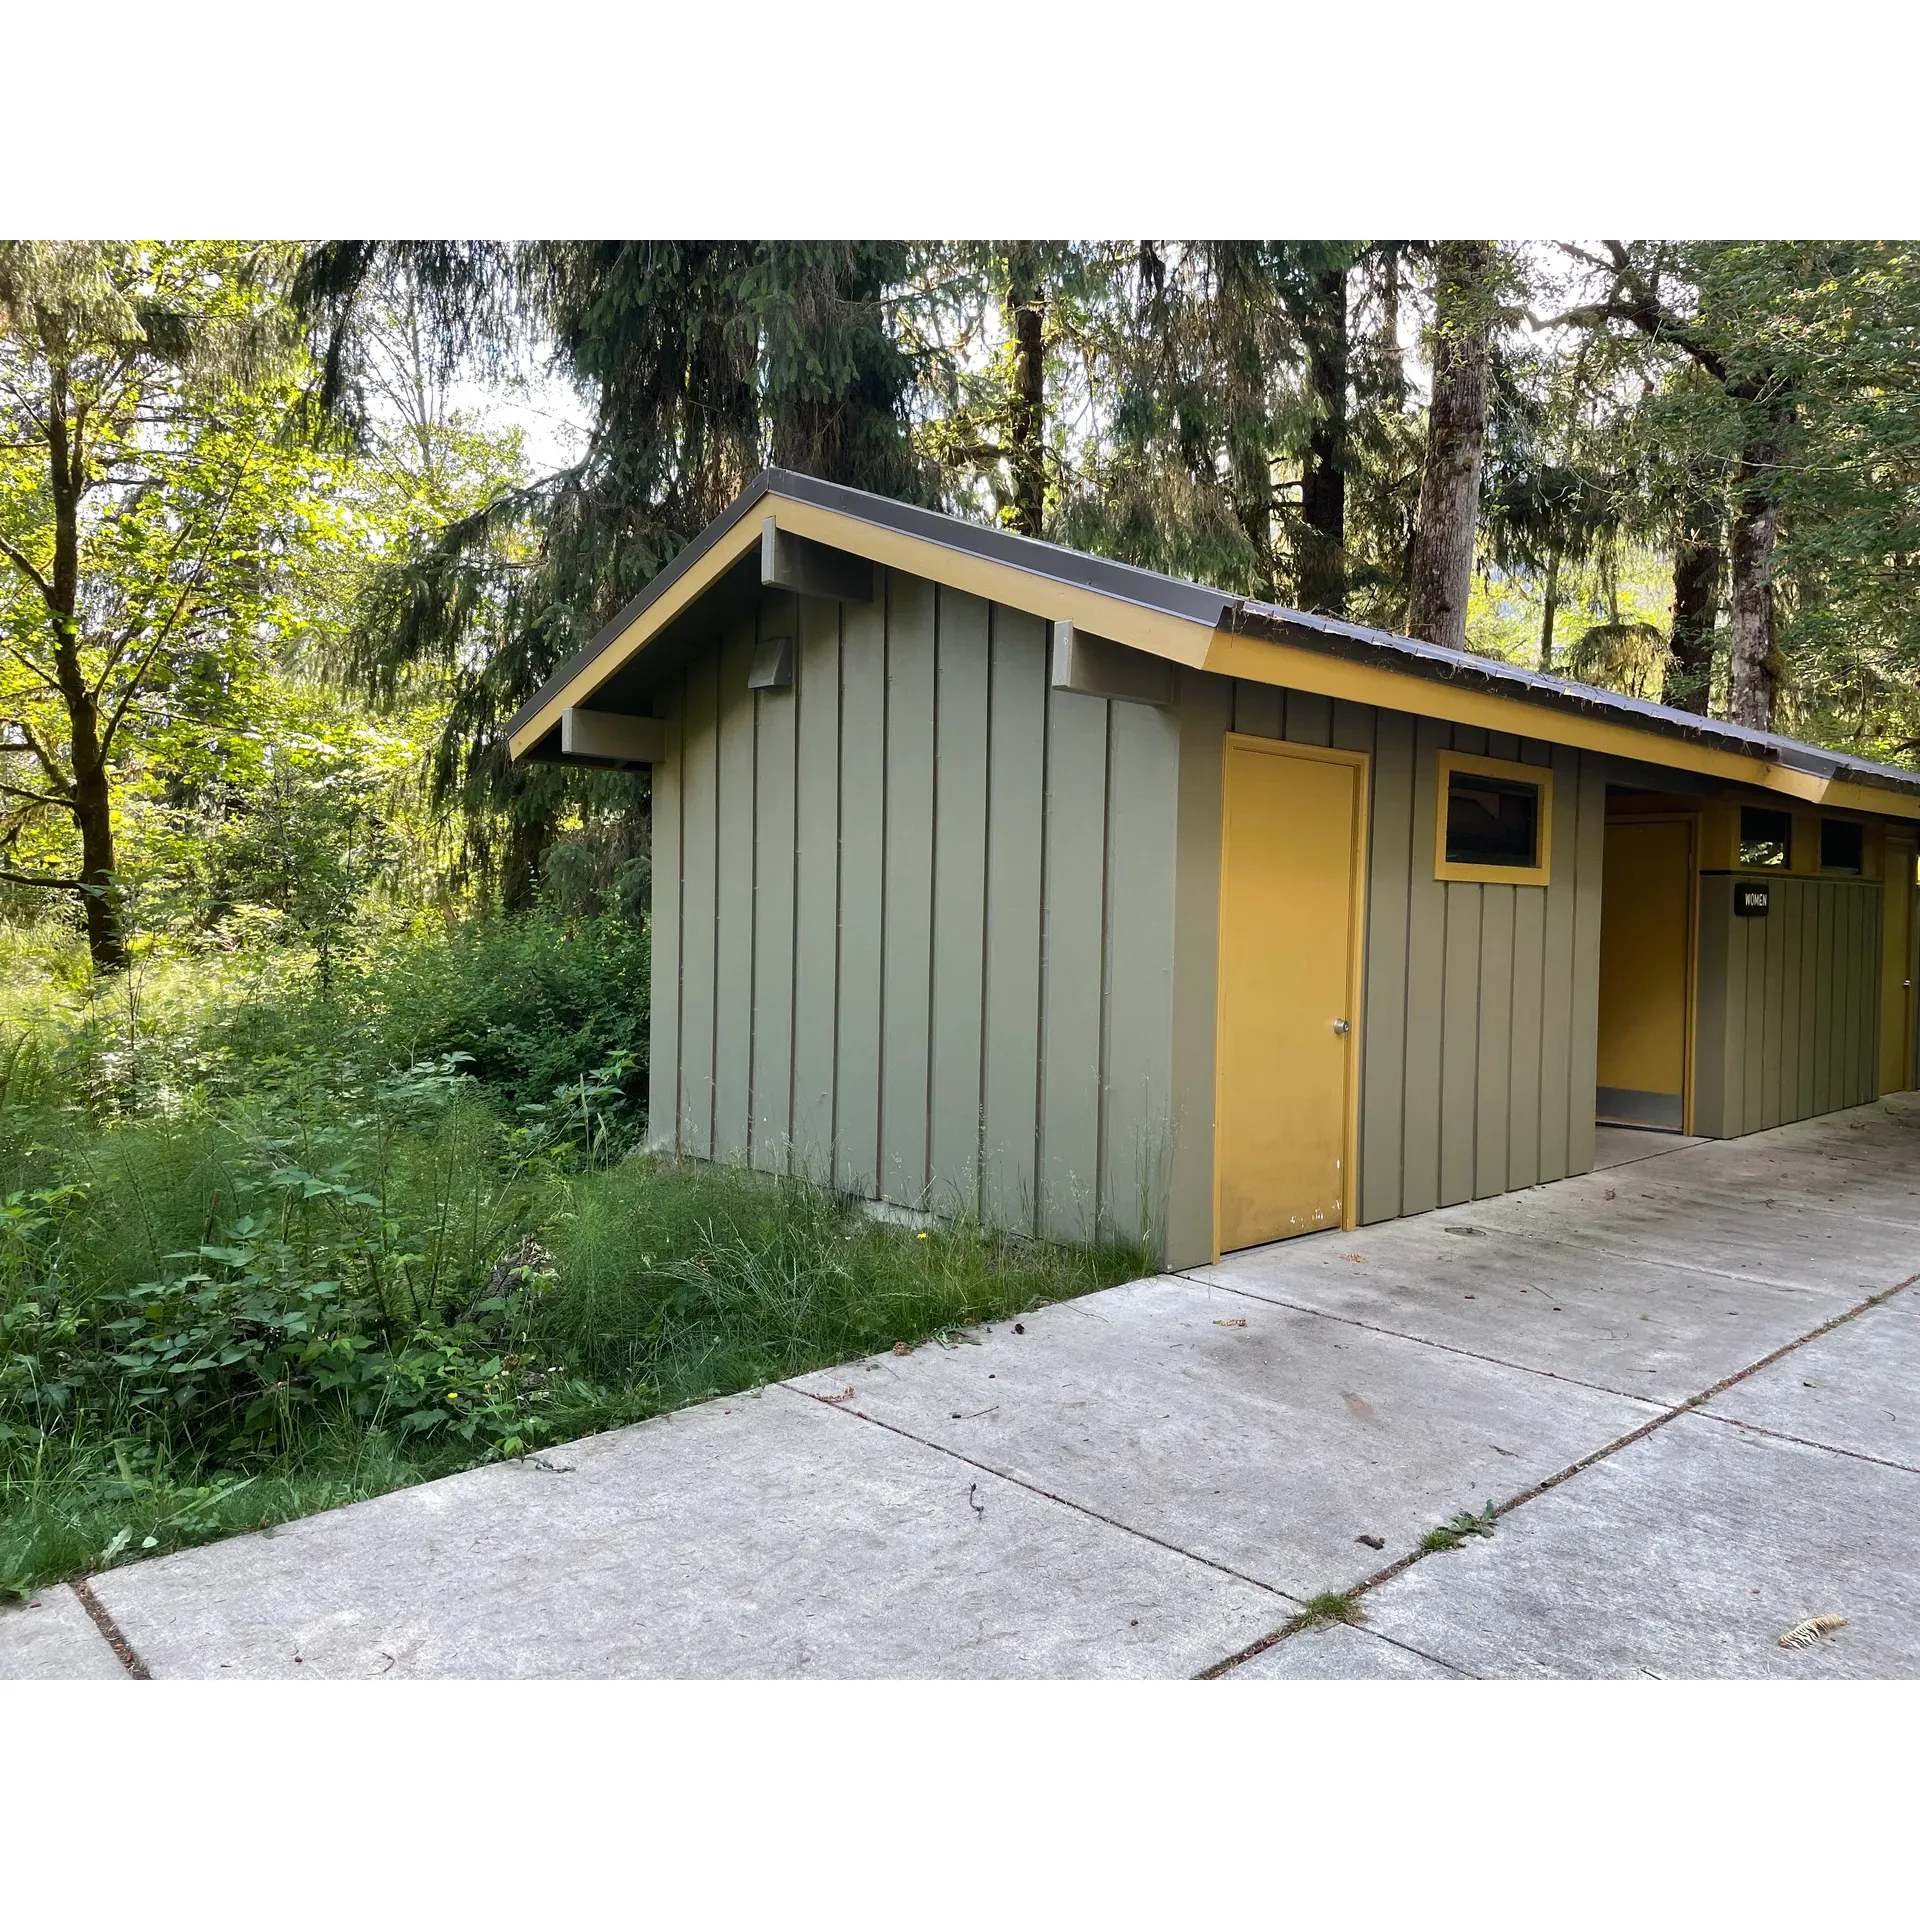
(928, 928)
(914, 918)
(1788, 1020)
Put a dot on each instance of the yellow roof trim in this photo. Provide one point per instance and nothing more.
(1189, 643)
(1147, 628)
(604, 664)
(1274, 663)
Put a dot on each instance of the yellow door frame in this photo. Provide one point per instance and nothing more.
(1691, 821)
(1897, 873)
(1356, 951)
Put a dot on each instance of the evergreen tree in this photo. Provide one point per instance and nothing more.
(1443, 553)
(702, 361)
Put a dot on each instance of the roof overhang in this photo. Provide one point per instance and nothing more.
(1129, 605)
(1473, 699)
(763, 538)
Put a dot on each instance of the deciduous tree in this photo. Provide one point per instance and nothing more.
(150, 498)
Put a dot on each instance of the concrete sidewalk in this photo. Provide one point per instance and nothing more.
(1152, 1480)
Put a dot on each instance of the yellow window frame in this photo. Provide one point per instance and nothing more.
(1520, 773)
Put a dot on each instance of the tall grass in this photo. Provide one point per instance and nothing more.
(262, 1252)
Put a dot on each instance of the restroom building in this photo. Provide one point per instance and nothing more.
(991, 876)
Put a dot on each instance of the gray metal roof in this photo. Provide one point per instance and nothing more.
(1489, 674)
(1141, 587)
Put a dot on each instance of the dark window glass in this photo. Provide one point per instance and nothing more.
(1766, 837)
(1492, 823)
(1841, 845)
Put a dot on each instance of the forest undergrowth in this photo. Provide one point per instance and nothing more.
(265, 1250)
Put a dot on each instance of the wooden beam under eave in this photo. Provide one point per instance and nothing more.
(621, 739)
(1084, 663)
(804, 566)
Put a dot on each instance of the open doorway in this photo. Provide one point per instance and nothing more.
(1646, 956)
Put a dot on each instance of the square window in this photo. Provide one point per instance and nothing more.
(1494, 821)
(1842, 846)
(1766, 837)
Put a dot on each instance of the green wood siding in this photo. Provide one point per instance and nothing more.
(1136, 1076)
(907, 958)
(663, 994)
(863, 773)
(1383, 1035)
(1479, 1029)
(1788, 1020)
(914, 918)
(1412, 1082)
(959, 900)
(1073, 960)
(771, 1037)
(700, 920)
(816, 887)
(1203, 715)
(735, 904)
(1016, 788)
(928, 928)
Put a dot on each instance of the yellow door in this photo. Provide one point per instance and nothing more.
(1289, 971)
(1646, 920)
(1896, 977)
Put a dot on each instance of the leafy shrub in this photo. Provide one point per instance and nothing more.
(536, 1002)
(263, 1249)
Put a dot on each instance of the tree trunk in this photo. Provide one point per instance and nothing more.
(93, 812)
(1753, 668)
(1549, 612)
(1456, 442)
(1323, 481)
(91, 795)
(1392, 361)
(527, 842)
(1699, 558)
(1253, 505)
(1027, 404)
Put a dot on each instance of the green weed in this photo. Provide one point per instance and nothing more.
(1329, 1609)
(260, 1255)
(1461, 1527)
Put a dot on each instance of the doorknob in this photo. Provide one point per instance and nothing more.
(1340, 1026)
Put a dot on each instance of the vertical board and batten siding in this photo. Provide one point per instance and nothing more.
(1015, 750)
(1203, 715)
(734, 905)
(1136, 1067)
(907, 823)
(815, 700)
(1788, 1017)
(932, 930)
(698, 766)
(1479, 1030)
(913, 918)
(961, 683)
(862, 886)
(775, 796)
